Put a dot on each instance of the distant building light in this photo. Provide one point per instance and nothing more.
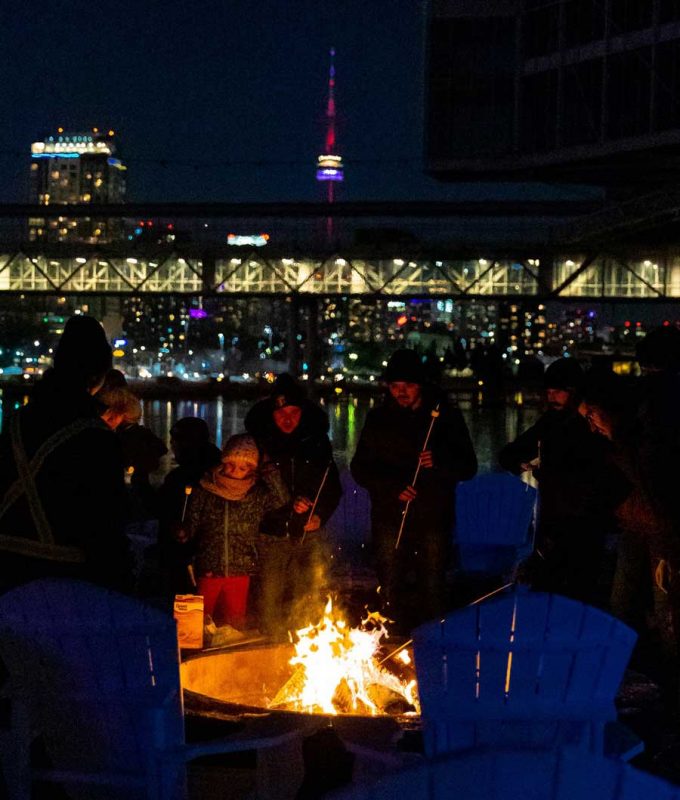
(247, 240)
(329, 168)
(198, 313)
(55, 155)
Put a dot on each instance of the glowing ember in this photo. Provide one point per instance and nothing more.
(337, 670)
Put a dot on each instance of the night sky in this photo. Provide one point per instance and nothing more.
(224, 99)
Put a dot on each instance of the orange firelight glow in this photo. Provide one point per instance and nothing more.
(337, 670)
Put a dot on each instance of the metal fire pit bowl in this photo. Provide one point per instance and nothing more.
(236, 683)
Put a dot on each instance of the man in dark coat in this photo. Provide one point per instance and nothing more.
(412, 575)
(62, 491)
(577, 491)
(292, 431)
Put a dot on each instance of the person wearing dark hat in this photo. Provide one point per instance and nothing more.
(569, 462)
(194, 455)
(292, 431)
(412, 575)
(61, 474)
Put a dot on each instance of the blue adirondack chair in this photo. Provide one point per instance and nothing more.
(350, 524)
(499, 775)
(494, 523)
(524, 670)
(95, 675)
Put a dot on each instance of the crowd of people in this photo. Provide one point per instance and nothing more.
(244, 526)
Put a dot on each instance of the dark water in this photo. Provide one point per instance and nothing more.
(490, 428)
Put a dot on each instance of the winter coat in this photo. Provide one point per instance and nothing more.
(302, 458)
(577, 481)
(656, 439)
(387, 455)
(225, 531)
(645, 451)
(80, 486)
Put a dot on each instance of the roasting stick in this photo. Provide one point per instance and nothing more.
(473, 603)
(187, 492)
(316, 500)
(190, 567)
(433, 414)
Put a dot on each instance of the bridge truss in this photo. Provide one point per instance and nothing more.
(558, 276)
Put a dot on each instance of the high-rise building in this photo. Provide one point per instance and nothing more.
(575, 90)
(76, 169)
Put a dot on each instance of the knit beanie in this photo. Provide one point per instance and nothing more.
(565, 373)
(83, 353)
(286, 392)
(404, 366)
(242, 446)
(660, 349)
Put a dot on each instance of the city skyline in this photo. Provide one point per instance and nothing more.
(228, 104)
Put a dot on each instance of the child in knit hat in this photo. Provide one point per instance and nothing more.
(223, 522)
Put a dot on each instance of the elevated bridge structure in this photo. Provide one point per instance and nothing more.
(570, 268)
(564, 276)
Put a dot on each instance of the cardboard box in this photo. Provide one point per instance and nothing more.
(189, 617)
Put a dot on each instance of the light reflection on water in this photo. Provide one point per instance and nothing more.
(490, 428)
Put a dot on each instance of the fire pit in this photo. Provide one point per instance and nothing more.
(332, 673)
(235, 684)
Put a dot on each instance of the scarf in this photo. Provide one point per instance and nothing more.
(227, 488)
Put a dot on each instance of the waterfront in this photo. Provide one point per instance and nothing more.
(490, 428)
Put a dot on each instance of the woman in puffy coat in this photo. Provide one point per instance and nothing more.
(223, 523)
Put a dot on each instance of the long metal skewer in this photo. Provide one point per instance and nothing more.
(473, 603)
(433, 414)
(316, 500)
(190, 567)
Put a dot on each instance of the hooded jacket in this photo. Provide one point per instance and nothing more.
(302, 458)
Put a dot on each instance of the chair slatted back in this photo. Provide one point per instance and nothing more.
(494, 517)
(350, 523)
(523, 667)
(97, 672)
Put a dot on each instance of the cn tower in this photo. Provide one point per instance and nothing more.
(329, 167)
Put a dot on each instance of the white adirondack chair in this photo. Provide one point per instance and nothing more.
(95, 675)
(499, 775)
(523, 670)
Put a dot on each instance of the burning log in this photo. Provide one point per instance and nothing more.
(389, 701)
(336, 671)
(290, 690)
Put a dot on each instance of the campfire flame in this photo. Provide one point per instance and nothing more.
(336, 670)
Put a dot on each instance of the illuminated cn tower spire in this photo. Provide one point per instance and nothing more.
(329, 167)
